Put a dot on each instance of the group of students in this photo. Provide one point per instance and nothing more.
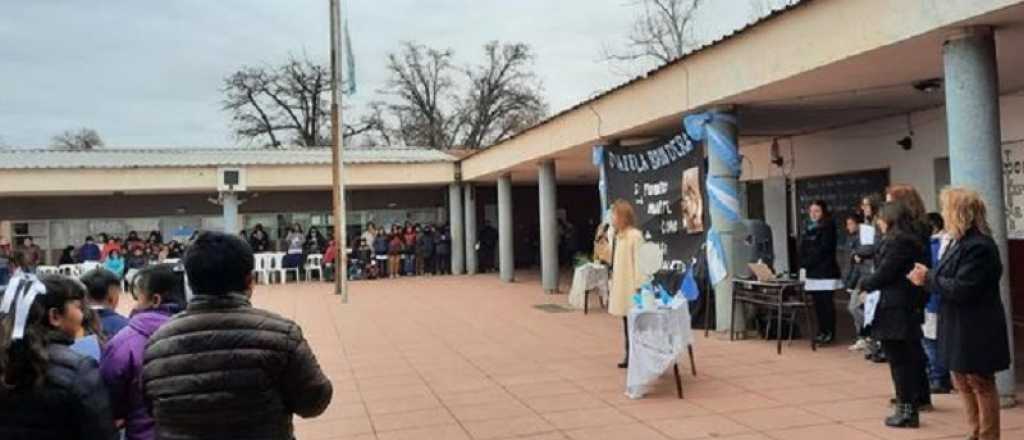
(207, 367)
(925, 291)
(409, 250)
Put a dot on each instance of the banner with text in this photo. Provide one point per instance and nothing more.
(1013, 178)
(665, 183)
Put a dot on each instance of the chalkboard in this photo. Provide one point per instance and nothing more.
(842, 192)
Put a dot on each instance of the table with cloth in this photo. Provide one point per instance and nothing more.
(588, 277)
(657, 336)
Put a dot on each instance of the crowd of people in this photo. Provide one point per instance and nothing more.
(211, 366)
(924, 297)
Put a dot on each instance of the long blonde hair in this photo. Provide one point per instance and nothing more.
(963, 209)
(623, 216)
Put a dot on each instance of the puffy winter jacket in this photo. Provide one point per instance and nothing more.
(72, 404)
(121, 368)
(225, 370)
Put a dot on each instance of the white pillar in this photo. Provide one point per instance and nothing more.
(455, 216)
(975, 146)
(547, 188)
(506, 251)
(719, 169)
(229, 205)
(471, 236)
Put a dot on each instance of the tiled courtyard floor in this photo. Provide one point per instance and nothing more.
(471, 358)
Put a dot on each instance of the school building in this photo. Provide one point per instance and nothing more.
(927, 92)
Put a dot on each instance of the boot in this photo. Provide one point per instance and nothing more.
(904, 416)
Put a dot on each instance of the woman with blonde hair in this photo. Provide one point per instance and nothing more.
(972, 331)
(626, 274)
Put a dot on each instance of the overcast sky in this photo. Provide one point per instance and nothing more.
(148, 73)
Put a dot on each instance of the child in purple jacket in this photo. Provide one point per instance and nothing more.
(160, 293)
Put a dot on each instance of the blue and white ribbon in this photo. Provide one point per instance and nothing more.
(21, 292)
(723, 198)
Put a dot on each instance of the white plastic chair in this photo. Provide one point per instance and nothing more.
(87, 266)
(315, 263)
(282, 272)
(261, 267)
(69, 270)
(47, 270)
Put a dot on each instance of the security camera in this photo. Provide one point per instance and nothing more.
(907, 143)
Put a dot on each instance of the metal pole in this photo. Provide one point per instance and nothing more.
(340, 239)
(975, 150)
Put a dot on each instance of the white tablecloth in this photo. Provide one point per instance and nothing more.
(590, 276)
(656, 340)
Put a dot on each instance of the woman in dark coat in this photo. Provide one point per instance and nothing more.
(818, 258)
(972, 332)
(900, 310)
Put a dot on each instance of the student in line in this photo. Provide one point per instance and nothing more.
(898, 315)
(257, 370)
(49, 392)
(104, 293)
(160, 293)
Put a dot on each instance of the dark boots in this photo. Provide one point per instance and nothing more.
(625, 333)
(904, 416)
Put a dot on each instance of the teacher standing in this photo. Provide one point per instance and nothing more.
(818, 258)
(972, 329)
(626, 274)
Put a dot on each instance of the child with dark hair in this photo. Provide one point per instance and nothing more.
(160, 293)
(940, 381)
(257, 371)
(104, 292)
(49, 392)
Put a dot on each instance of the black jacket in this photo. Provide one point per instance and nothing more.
(818, 251)
(972, 321)
(223, 369)
(72, 404)
(900, 310)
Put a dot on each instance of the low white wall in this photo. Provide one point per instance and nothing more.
(873, 146)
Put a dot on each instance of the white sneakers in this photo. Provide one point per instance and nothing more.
(860, 345)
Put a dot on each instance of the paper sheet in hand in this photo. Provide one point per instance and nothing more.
(867, 235)
(870, 304)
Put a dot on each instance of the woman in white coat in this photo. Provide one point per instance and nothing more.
(626, 274)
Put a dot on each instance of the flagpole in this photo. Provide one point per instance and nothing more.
(337, 168)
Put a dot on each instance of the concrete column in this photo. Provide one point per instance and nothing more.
(457, 232)
(975, 156)
(719, 168)
(471, 236)
(229, 204)
(506, 245)
(547, 188)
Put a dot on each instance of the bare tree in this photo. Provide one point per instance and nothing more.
(284, 104)
(504, 95)
(438, 105)
(421, 83)
(80, 139)
(661, 32)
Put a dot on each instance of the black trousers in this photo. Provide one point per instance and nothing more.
(825, 311)
(625, 334)
(907, 363)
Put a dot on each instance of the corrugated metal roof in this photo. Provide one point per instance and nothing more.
(207, 157)
(779, 10)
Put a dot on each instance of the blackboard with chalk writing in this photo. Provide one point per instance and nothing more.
(842, 192)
